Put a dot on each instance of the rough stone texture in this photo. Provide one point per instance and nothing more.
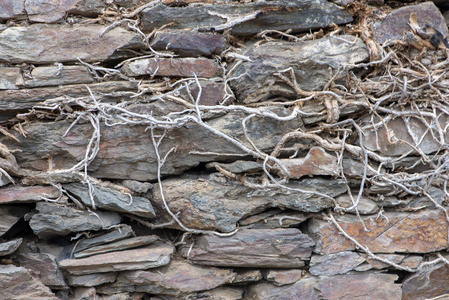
(396, 23)
(316, 162)
(274, 15)
(41, 44)
(429, 282)
(27, 194)
(283, 277)
(336, 263)
(54, 76)
(117, 246)
(310, 61)
(91, 279)
(276, 248)
(124, 151)
(358, 286)
(45, 266)
(10, 247)
(111, 200)
(9, 215)
(189, 43)
(215, 203)
(183, 67)
(365, 206)
(412, 262)
(248, 276)
(152, 256)
(53, 219)
(114, 235)
(10, 78)
(18, 283)
(178, 278)
(418, 232)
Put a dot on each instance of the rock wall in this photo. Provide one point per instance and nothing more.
(223, 149)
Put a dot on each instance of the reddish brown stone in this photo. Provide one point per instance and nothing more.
(282, 277)
(419, 232)
(24, 194)
(396, 23)
(183, 67)
(316, 162)
(427, 283)
(45, 266)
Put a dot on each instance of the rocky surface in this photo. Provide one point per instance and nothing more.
(212, 149)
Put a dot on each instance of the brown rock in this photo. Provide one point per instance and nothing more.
(220, 293)
(91, 279)
(18, 283)
(54, 76)
(396, 23)
(302, 289)
(40, 43)
(418, 232)
(212, 93)
(178, 278)
(283, 277)
(429, 282)
(152, 256)
(27, 194)
(336, 263)
(316, 162)
(10, 247)
(189, 43)
(246, 276)
(45, 266)
(10, 78)
(183, 67)
(262, 248)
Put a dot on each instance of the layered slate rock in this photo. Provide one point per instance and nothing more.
(176, 279)
(91, 280)
(45, 44)
(418, 232)
(182, 67)
(429, 282)
(10, 247)
(152, 256)
(27, 194)
(10, 78)
(10, 215)
(215, 203)
(45, 266)
(262, 15)
(19, 283)
(407, 261)
(189, 43)
(262, 248)
(53, 219)
(336, 263)
(125, 152)
(119, 233)
(111, 200)
(396, 23)
(283, 277)
(58, 75)
(370, 286)
(255, 79)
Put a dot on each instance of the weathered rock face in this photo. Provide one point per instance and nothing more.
(255, 80)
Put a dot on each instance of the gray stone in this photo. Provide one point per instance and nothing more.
(189, 43)
(18, 283)
(310, 60)
(153, 256)
(137, 186)
(53, 219)
(283, 277)
(130, 243)
(274, 219)
(54, 76)
(365, 206)
(10, 215)
(114, 235)
(7, 248)
(178, 278)
(216, 203)
(246, 276)
(239, 166)
(45, 266)
(272, 15)
(10, 78)
(41, 43)
(111, 200)
(336, 263)
(91, 279)
(270, 248)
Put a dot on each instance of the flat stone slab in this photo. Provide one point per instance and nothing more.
(53, 219)
(117, 234)
(418, 232)
(91, 279)
(335, 263)
(45, 265)
(7, 248)
(54, 76)
(152, 256)
(310, 60)
(46, 44)
(189, 43)
(270, 248)
(27, 194)
(283, 277)
(176, 279)
(10, 78)
(395, 24)
(265, 15)
(112, 200)
(182, 67)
